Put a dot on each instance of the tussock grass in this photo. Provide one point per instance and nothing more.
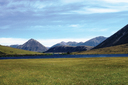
(119, 49)
(76, 71)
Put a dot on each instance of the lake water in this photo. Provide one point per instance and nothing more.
(66, 56)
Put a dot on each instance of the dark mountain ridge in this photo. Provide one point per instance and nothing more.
(69, 48)
(32, 45)
(120, 37)
(92, 42)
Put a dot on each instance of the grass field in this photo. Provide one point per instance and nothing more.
(70, 71)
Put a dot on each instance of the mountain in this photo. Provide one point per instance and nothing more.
(69, 48)
(60, 44)
(33, 45)
(92, 42)
(95, 41)
(66, 44)
(14, 46)
(5, 50)
(120, 37)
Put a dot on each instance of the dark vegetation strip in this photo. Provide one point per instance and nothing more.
(19, 55)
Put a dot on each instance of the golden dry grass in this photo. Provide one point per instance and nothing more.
(76, 71)
(119, 49)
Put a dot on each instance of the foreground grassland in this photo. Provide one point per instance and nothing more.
(4, 50)
(119, 49)
(76, 71)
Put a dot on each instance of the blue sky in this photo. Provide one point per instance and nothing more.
(53, 21)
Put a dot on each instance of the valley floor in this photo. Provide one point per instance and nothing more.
(70, 71)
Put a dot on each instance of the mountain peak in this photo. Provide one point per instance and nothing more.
(31, 39)
(63, 42)
(100, 37)
(33, 45)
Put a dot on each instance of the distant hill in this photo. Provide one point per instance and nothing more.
(33, 45)
(120, 37)
(14, 46)
(92, 42)
(5, 50)
(69, 48)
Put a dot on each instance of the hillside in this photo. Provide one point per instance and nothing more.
(33, 45)
(4, 50)
(69, 48)
(92, 42)
(120, 37)
(119, 49)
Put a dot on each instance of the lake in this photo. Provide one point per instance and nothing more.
(66, 56)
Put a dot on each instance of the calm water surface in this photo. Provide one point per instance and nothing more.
(66, 56)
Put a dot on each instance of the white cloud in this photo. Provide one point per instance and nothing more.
(97, 10)
(45, 42)
(97, 30)
(71, 1)
(75, 25)
(101, 10)
(99, 6)
(108, 8)
(116, 1)
(12, 41)
(86, 7)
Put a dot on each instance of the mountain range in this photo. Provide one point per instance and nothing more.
(92, 42)
(32, 45)
(74, 46)
(115, 44)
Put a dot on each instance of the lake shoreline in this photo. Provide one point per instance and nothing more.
(62, 56)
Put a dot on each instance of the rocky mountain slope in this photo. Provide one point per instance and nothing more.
(33, 45)
(92, 42)
(69, 48)
(120, 37)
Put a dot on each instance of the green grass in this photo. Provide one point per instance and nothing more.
(119, 49)
(74, 71)
(13, 51)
